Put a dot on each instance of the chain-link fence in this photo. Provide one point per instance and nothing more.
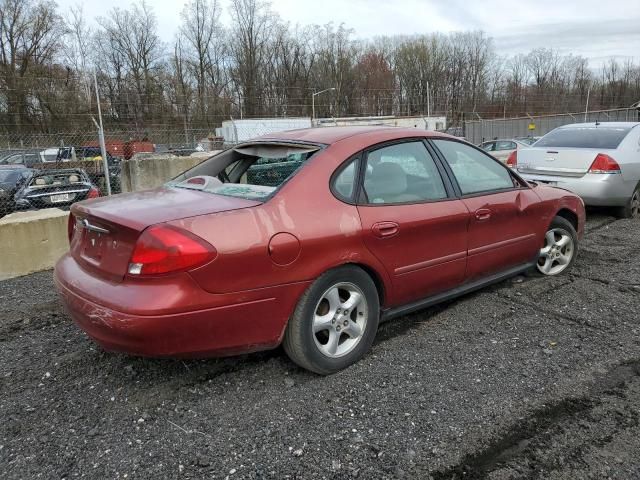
(45, 170)
(478, 131)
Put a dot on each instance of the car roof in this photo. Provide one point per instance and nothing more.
(602, 125)
(330, 135)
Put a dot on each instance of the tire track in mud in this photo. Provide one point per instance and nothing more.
(520, 442)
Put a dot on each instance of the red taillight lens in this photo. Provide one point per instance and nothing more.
(604, 164)
(164, 249)
(512, 161)
(93, 193)
(71, 227)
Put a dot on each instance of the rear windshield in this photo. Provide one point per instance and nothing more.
(585, 137)
(255, 173)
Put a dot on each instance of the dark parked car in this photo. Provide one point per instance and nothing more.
(55, 188)
(367, 225)
(12, 177)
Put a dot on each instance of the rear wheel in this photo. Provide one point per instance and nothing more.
(632, 208)
(335, 321)
(560, 248)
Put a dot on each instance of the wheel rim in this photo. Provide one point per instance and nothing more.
(635, 204)
(557, 253)
(340, 320)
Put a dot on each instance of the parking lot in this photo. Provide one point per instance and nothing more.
(533, 378)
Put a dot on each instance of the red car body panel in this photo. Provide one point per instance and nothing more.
(269, 253)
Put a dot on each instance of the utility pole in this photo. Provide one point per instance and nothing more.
(586, 110)
(313, 103)
(103, 147)
(428, 101)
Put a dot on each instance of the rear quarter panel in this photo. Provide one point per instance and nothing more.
(628, 156)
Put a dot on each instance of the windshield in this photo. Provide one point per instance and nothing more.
(255, 172)
(585, 137)
(9, 176)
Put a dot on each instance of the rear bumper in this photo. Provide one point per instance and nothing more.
(167, 324)
(594, 189)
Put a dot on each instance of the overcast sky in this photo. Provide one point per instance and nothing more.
(595, 29)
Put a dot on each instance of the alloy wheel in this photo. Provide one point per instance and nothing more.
(557, 253)
(340, 320)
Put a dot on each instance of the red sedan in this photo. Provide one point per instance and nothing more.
(307, 238)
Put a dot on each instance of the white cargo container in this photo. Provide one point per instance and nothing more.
(423, 123)
(234, 131)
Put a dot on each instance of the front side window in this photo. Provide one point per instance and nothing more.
(402, 173)
(474, 171)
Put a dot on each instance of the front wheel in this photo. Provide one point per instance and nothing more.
(335, 321)
(560, 248)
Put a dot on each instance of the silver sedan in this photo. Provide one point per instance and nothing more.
(600, 162)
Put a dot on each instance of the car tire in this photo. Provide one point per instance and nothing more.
(335, 321)
(560, 248)
(632, 208)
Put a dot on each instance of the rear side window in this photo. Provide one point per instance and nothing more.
(474, 171)
(344, 182)
(585, 137)
(402, 173)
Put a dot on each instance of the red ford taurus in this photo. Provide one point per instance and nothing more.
(307, 238)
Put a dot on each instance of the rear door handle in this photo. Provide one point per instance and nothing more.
(483, 214)
(385, 229)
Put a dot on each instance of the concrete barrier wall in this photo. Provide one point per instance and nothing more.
(151, 171)
(32, 241)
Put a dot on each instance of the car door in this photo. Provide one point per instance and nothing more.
(411, 221)
(504, 211)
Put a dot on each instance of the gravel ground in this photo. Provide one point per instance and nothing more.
(532, 378)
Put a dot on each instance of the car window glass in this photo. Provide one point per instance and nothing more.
(474, 171)
(489, 147)
(505, 146)
(9, 176)
(344, 182)
(402, 173)
(272, 172)
(585, 137)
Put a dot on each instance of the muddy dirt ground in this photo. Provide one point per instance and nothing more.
(531, 378)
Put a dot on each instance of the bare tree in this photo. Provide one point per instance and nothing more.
(205, 40)
(29, 39)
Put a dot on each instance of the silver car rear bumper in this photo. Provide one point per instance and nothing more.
(595, 189)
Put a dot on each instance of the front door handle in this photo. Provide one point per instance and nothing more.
(385, 229)
(483, 214)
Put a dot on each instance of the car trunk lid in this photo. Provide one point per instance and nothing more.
(558, 161)
(106, 229)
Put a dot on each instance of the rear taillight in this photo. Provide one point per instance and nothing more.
(604, 164)
(512, 161)
(71, 227)
(93, 193)
(165, 249)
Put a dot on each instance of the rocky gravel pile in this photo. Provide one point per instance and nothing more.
(531, 378)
